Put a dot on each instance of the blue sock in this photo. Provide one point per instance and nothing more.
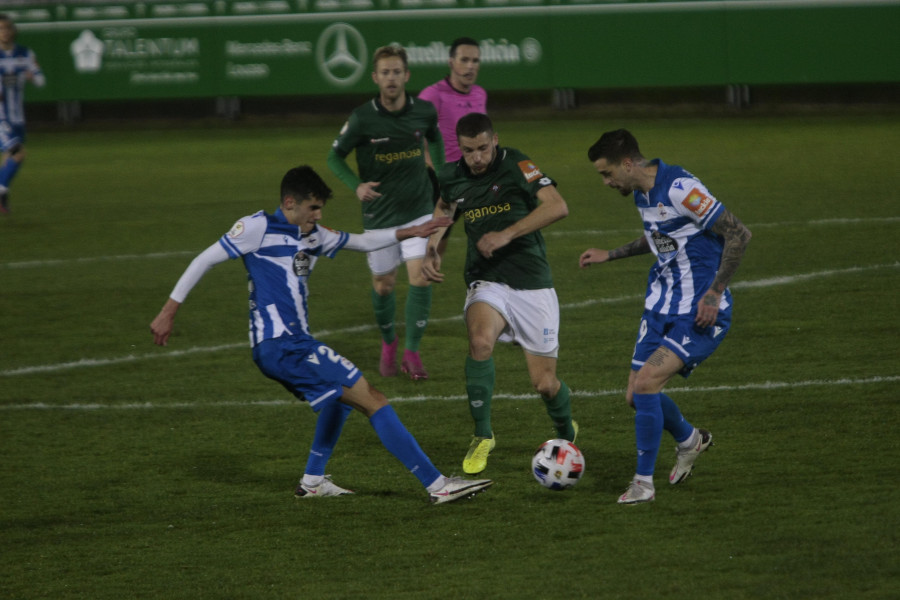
(648, 428)
(328, 429)
(673, 421)
(400, 442)
(8, 171)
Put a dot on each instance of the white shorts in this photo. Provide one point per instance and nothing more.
(384, 261)
(532, 316)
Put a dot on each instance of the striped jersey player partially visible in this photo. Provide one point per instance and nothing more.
(18, 66)
(698, 245)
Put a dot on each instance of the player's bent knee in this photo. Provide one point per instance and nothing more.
(480, 348)
(547, 386)
(647, 385)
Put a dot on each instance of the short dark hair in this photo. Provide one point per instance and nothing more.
(615, 146)
(462, 41)
(303, 183)
(473, 124)
(390, 51)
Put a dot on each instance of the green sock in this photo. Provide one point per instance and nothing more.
(385, 307)
(560, 410)
(418, 308)
(480, 388)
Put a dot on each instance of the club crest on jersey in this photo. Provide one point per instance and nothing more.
(301, 264)
(663, 213)
(236, 229)
(697, 202)
(530, 171)
(664, 244)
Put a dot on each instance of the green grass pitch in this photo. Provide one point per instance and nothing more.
(131, 471)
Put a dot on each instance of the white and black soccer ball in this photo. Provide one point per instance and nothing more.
(557, 464)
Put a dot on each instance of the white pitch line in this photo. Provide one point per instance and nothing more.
(36, 264)
(766, 385)
(99, 362)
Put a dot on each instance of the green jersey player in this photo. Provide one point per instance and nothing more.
(505, 200)
(388, 134)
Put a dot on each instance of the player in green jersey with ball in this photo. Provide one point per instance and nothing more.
(505, 201)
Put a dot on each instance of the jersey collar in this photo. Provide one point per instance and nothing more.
(279, 216)
(376, 102)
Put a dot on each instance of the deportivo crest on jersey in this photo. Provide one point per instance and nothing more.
(697, 202)
(530, 171)
(236, 229)
(301, 264)
(663, 243)
(663, 213)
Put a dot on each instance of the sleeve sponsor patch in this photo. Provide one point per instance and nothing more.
(530, 171)
(236, 230)
(697, 202)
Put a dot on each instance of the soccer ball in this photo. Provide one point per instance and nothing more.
(557, 464)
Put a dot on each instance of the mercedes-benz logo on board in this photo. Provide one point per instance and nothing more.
(341, 54)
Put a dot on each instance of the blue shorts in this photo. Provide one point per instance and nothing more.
(681, 335)
(309, 369)
(11, 135)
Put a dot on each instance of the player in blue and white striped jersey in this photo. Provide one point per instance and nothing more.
(698, 245)
(18, 65)
(279, 252)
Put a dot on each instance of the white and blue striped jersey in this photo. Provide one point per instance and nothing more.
(677, 214)
(279, 260)
(14, 67)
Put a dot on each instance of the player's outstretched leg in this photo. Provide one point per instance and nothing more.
(400, 442)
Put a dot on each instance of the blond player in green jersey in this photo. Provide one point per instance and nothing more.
(388, 134)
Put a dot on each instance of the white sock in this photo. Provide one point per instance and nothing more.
(312, 480)
(648, 479)
(437, 484)
(691, 441)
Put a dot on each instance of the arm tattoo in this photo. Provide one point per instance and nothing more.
(638, 246)
(737, 236)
